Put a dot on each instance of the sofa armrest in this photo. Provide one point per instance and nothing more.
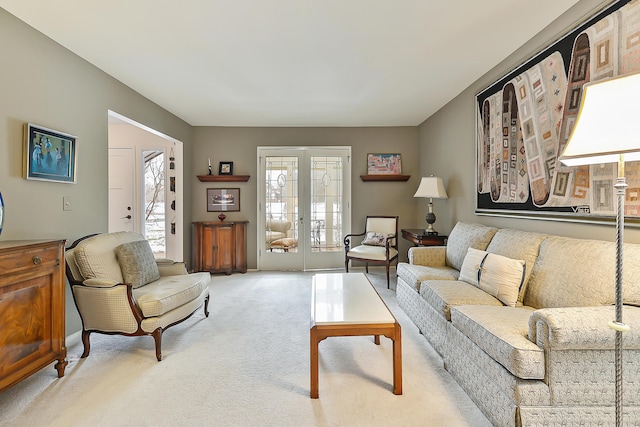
(429, 256)
(169, 267)
(100, 283)
(582, 328)
(106, 306)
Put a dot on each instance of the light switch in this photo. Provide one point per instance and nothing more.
(66, 203)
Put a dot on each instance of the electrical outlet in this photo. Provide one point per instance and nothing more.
(66, 203)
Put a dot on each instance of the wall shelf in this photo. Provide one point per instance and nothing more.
(224, 178)
(385, 177)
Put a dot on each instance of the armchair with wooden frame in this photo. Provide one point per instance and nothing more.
(379, 243)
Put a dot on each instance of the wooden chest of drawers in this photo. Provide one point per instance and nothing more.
(32, 309)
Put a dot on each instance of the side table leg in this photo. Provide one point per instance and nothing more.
(397, 360)
(313, 346)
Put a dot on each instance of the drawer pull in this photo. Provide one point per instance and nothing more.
(37, 260)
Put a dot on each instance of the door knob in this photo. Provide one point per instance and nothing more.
(126, 217)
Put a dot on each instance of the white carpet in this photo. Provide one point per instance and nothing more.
(245, 365)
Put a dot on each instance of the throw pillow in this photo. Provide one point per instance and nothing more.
(375, 239)
(497, 275)
(137, 263)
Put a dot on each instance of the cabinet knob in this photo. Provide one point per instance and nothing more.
(36, 260)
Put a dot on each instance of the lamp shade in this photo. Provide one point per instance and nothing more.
(608, 124)
(431, 187)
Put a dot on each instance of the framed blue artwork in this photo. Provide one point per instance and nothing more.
(49, 155)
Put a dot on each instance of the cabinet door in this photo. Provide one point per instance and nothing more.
(32, 307)
(206, 256)
(224, 248)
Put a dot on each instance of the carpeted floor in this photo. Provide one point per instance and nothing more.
(245, 365)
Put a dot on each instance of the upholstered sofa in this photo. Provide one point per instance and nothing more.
(277, 229)
(278, 235)
(120, 288)
(547, 357)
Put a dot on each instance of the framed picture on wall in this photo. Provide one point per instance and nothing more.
(49, 155)
(384, 164)
(524, 121)
(223, 199)
(226, 168)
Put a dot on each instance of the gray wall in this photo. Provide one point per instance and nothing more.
(447, 147)
(239, 145)
(45, 84)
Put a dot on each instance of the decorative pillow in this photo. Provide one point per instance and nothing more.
(137, 263)
(497, 275)
(375, 239)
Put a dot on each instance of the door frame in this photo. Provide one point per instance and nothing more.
(126, 133)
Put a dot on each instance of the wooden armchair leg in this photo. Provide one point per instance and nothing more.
(157, 337)
(86, 343)
(387, 276)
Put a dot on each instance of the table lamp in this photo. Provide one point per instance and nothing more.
(431, 187)
(607, 130)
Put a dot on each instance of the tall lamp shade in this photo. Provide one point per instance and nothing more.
(607, 130)
(431, 187)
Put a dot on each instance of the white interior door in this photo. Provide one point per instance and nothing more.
(304, 207)
(121, 190)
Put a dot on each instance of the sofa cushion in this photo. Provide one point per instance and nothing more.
(442, 295)
(465, 236)
(137, 262)
(413, 274)
(578, 273)
(278, 225)
(497, 275)
(274, 235)
(95, 257)
(378, 253)
(287, 243)
(169, 292)
(502, 333)
(518, 245)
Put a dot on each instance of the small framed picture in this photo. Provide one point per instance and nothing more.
(226, 168)
(223, 199)
(49, 155)
(384, 164)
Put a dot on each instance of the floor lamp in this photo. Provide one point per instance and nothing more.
(607, 130)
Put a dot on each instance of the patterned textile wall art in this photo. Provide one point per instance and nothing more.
(524, 121)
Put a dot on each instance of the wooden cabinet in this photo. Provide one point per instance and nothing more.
(32, 309)
(220, 247)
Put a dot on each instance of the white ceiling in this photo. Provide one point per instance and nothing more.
(293, 62)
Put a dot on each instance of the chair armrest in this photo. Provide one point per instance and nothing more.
(582, 328)
(428, 256)
(347, 239)
(168, 267)
(101, 283)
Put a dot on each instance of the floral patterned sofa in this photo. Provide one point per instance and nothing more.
(543, 355)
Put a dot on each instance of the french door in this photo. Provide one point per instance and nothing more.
(304, 199)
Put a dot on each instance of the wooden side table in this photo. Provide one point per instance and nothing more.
(418, 238)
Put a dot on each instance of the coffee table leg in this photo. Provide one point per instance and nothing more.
(313, 335)
(376, 339)
(397, 360)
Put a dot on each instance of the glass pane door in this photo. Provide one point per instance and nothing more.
(303, 203)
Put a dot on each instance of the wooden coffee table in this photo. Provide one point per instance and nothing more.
(347, 304)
